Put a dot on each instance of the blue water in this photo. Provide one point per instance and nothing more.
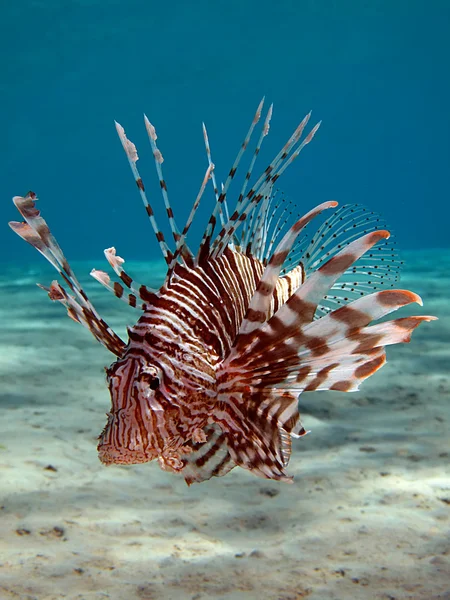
(367, 516)
(374, 72)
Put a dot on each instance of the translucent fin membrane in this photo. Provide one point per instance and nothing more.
(259, 306)
(377, 270)
(256, 234)
(265, 225)
(263, 186)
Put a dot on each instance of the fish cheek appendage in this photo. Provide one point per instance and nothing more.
(211, 374)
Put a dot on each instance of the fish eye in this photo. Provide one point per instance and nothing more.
(151, 377)
(154, 384)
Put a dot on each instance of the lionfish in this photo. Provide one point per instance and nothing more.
(212, 371)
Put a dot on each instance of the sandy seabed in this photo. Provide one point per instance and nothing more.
(367, 516)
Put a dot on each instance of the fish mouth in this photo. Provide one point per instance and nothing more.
(169, 459)
(110, 455)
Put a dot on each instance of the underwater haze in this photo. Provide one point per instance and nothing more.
(375, 73)
(368, 514)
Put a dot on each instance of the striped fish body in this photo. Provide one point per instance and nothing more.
(164, 388)
(211, 374)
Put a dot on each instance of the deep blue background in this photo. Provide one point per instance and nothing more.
(376, 72)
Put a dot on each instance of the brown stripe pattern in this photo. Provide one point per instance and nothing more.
(212, 371)
(178, 344)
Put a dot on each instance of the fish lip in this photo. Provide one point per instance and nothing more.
(110, 455)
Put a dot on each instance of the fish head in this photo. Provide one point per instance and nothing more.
(149, 418)
(132, 432)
